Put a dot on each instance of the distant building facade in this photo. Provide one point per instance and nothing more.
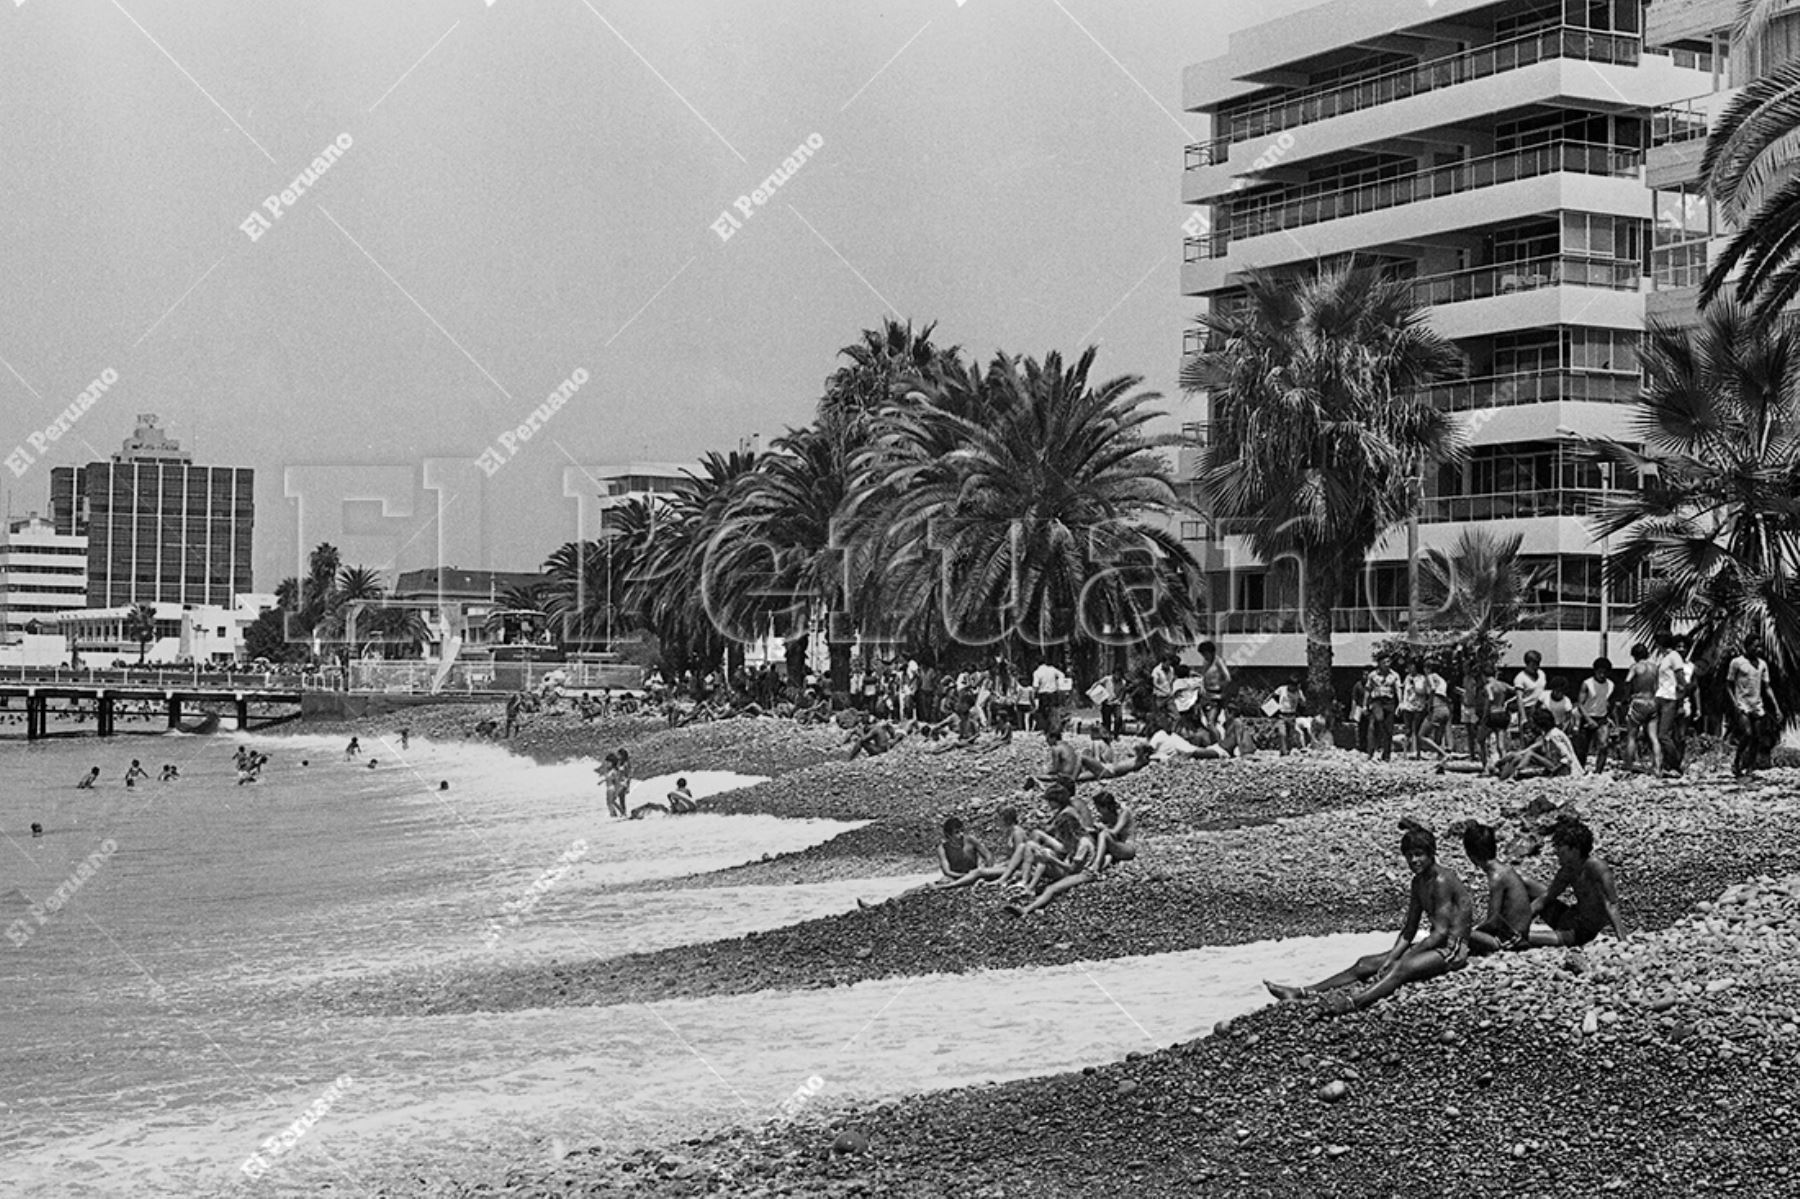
(42, 572)
(159, 529)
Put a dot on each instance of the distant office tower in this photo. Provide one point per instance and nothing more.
(41, 572)
(159, 528)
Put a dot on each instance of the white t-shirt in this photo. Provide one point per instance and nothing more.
(1047, 680)
(1671, 674)
(1532, 690)
(1166, 745)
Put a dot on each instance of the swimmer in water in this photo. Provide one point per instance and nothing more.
(372, 762)
(87, 784)
(354, 748)
(136, 772)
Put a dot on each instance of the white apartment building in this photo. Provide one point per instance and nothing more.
(1687, 231)
(41, 572)
(1493, 154)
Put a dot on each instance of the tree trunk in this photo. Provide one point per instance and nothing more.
(1321, 599)
(839, 640)
(796, 662)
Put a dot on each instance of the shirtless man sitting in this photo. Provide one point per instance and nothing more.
(1068, 865)
(1435, 889)
(875, 739)
(1509, 895)
(1596, 899)
(1118, 825)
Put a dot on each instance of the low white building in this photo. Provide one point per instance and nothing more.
(202, 633)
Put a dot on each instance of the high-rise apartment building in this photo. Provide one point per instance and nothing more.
(1493, 155)
(42, 572)
(159, 528)
(1688, 231)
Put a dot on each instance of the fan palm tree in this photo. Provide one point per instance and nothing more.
(1317, 441)
(1750, 171)
(1480, 586)
(1711, 537)
(1009, 509)
(140, 626)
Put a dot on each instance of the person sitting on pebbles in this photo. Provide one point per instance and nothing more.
(1435, 889)
(1509, 895)
(1596, 898)
(1065, 867)
(874, 737)
(962, 860)
(1118, 825)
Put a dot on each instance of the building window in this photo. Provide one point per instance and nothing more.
(1192, 530)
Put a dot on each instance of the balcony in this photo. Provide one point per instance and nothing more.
(1338, 99)
(1677, 123)
(1392, 621)
(1585, 158)
(1514, 505)
(1535, 387)
(1486, 282)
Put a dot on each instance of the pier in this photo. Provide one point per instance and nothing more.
(177, 693)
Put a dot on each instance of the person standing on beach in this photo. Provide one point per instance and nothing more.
(1531, 687)
(1640, 712)
(1752, 702)
(1384, 698)
(1437, 890)
(1593, 716)
(1162, 692)
(514, 705)
(1047, 685)
(1674, 677)
(1215, 679)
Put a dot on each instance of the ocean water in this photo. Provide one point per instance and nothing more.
(149, 1048)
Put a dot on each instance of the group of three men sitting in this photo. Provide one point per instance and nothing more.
(1514, 904)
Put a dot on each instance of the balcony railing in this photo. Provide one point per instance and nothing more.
(1338, 99)
(1513, 505)
(1481, 283)
(1535, 387)
(1388, 620)
(1585, 158)
(1677, 123)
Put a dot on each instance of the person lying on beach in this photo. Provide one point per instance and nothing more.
(1118, 825)
(1067, 866)
(1435, 889)
(1596, 898)
(1509, 895)
(87, 784)
(1165, 745)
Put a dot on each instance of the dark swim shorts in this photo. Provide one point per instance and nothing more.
(1566, 918)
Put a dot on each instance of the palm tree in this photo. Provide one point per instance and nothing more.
(774, 562)
(1711, 537)
(140, 626)
(667, 588)
(1317, 440)
(1749, 170)
(880, 367)
(1480, 586)
(1008, 509)
(320, 582)
(589, 594)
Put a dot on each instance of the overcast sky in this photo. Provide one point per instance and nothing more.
(529, 189)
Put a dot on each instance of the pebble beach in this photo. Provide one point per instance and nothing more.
(1660, 1065)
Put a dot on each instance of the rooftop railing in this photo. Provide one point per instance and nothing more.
(1337, 99)
(1677, 123)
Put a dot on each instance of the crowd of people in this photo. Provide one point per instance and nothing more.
(1536, 724)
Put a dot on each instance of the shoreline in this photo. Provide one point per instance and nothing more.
(1231, 852)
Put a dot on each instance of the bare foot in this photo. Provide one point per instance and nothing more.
(1013, 909)
(1284, 993)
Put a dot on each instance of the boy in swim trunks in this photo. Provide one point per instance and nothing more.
(962, 860)
(1118, 825)
(1435, 889)
(1509, 895)
(1596, 899)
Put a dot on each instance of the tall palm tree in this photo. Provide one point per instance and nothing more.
(140, 626)
(879, 367)
(1711, 538)
(321, 580)
(667, 587)
(1480, 586)
(1317, 439)
(1010, 509)
(774, 563)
